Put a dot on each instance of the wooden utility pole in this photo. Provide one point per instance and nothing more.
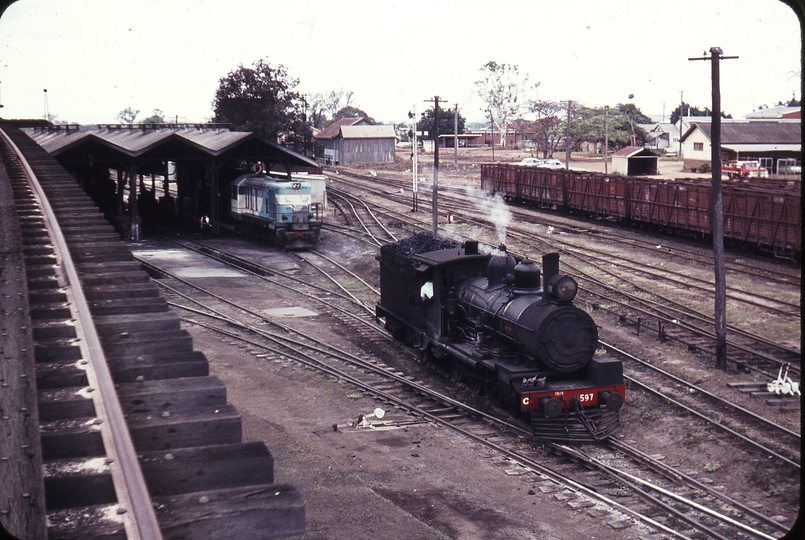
(455, 136)
(567, 137)
(717, 212)
(435, 200)
(606, 139)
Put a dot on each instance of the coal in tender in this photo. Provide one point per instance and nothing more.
(419, 243)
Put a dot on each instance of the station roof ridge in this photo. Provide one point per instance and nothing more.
(136, 142)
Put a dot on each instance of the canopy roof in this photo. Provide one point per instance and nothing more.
(144, 144)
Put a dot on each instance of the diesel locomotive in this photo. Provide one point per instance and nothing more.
(278, 209)
(506, 327)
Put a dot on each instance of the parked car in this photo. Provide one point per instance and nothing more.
(670, 152)
(551, 164)
(531, 162)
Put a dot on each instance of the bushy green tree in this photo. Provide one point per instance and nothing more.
(427, 122)
(352, 112)
(692, 110)
(158, 117)
(263, 99)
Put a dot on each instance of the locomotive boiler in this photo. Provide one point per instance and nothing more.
(506, 327)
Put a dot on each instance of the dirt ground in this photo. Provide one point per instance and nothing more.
(415, 481)
(419, 481)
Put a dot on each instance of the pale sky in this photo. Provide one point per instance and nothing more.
(97, 57)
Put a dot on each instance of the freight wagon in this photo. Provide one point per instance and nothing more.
(768, 218)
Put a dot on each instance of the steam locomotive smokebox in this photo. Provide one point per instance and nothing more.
(605, 371)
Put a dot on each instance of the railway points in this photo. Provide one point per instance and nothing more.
(370, 459)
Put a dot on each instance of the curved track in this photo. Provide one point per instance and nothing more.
(668, 487)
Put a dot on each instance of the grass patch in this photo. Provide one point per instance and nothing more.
(654, 414)
(713, 466)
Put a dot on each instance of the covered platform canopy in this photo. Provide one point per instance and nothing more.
(201, 159)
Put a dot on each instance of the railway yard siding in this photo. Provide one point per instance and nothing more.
(765, 215)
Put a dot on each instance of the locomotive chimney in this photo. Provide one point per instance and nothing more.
(471, 247)
(550, 266)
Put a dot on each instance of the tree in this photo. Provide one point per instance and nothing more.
(316, 115)
(634, 116)
(158, 117)
(338, 100)
(691, 110)
(545, 130)
(325, 108)
(127, 115)
(586, 125)
(500, 89)
(446, 122)
(352, 112)
(263, 99)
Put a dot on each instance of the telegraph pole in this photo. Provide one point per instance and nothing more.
(455, 136)
(606, 139)
(681, 118)
(717, 213)
(435, 201)
(492, 132)
(567, 137)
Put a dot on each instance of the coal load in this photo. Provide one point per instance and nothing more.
(419, 243)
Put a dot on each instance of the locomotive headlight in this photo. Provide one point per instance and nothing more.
(564, 288)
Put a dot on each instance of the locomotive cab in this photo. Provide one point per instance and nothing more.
(278, 209)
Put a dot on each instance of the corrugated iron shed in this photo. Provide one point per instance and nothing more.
(368, 132)
(334, 129)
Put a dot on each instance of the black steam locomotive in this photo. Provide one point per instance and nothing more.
(505, 327)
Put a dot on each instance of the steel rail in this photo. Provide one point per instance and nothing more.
(354, 211)
(672, 495)
(701, 390)
(338, 284)
(295, 348)
(516, 456)
(733, 294)
(347, 197)
(713, 422)
(626, 448)
(345, 269)
(134, 500)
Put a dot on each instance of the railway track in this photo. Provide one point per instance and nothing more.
(137, 440)
(368, 220)
(663, 316)
(394, 387)
(571, 478)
